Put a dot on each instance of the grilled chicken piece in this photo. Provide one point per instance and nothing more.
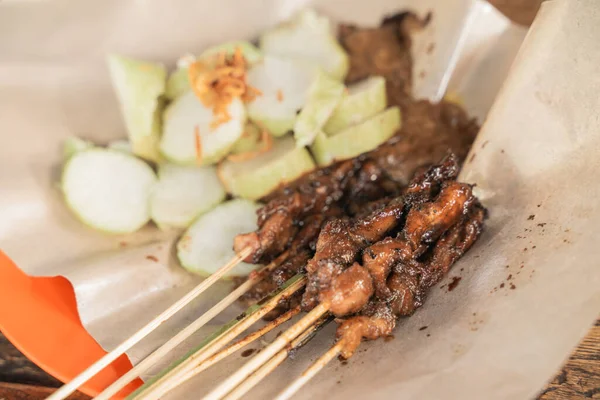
(404, 293)
(369, 184)
(408, 283)
(427, 184)
(341, 242)
(426, 222)
(376, 321)
(453, 244)
(278, 219)
(300, 251)
(379, 259)
(349, 291)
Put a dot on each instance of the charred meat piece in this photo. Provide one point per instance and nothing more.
(405, 293)
(278, 220)
(341, 242)
(292, 262)
(453, 244)
(349, 291)
(379, 259)
(426, 222)
(377, 321)
(427, 184)
(271, 239)
(369, 184)
(408, 283)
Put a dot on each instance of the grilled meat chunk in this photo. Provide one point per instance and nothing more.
(341, 242)
(379, 259)
(278, 220)
(426, 222)
(376, 321)
(408, 282)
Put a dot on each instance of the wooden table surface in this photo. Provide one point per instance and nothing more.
(579, 378)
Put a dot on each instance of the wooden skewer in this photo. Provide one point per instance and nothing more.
(257, 376)
(246, 340)
(307, 375)
(172, 378)
(267, 353)
(231, 349)
(176, 340)
(103, 362)
(273, 363)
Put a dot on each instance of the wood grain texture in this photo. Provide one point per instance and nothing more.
(579, 378)
(16, 391)
(16, 368)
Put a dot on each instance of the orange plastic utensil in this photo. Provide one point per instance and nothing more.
(39, 316)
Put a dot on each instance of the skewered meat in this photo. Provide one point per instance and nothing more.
(428, 132)
(379, 259)
(292, 262)
(377, 321)
(428, 221)
(278, 220)
(342, 240)
(349, 291)
(407, 284)
(339, 244)
(453, 244)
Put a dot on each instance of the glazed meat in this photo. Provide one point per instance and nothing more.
(333, 275)
(340, 243)
(377, 321)
(279, 219)
(289, 263)
(426, 222)
(380, 257)
(402, 279)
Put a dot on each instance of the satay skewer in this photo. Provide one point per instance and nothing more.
(106, 360)
(311, 371)
(176, 340)
(274, 362)
(215, 358)
(163, 384)
(268, 352)
(246, 340)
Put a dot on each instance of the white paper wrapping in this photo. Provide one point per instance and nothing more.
(535, 156)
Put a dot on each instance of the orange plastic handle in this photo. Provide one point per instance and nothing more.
(39, 316)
